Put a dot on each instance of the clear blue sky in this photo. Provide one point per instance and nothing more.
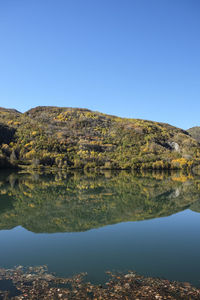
(132, 58)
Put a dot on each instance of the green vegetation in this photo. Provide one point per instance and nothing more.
(77, 202)
(67, 138)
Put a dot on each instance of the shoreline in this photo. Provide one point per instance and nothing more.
(38, 283)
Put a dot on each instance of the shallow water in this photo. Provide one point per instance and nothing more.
(114, 221)
(7, 285)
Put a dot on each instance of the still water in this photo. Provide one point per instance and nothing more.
(90, 223)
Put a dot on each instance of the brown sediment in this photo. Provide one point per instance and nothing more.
(37, 283)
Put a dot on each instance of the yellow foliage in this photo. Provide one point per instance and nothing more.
(5, 146)
(27, 145)
(180, 161)
(180, 178)
(3, 192)
(29, 185)
(28, 194)
(30, 154)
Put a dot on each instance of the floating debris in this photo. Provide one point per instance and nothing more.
(37, 283)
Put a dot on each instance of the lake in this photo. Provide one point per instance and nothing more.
(118, 221)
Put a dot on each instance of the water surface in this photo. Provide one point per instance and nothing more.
(93, 223)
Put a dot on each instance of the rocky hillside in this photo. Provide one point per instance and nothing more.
(195, 132)
(80, 138)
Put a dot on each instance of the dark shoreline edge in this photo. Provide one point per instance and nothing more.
(37, 283)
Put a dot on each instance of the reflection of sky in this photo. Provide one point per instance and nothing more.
(166, 247)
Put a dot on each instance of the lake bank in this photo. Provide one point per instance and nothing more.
(37, 283)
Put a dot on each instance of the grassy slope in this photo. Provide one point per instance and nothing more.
(195, 132)
(77, 138)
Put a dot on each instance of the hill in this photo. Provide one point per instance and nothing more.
(79, 138)
(195, 132)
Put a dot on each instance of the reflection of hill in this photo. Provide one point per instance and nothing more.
(196, 206)
(76, 202)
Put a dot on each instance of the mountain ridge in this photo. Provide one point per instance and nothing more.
(195, 132)
(65, 137)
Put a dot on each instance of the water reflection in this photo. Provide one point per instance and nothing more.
(78, 202)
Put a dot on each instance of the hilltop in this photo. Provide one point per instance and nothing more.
(80, 138)
(195, 132)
